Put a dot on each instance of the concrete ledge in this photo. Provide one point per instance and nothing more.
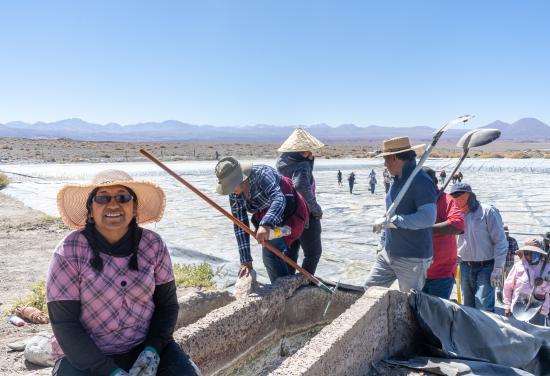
(378, 325)
(195, 304)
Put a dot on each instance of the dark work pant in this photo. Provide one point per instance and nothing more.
(274, 265)
(311, 245)
(387, 186)
(351, 187)
(441, 287)
(173, 362)
(372, 187)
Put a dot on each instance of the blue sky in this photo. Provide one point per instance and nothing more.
(392, 63)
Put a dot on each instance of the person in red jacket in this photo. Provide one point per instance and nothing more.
(449, 223)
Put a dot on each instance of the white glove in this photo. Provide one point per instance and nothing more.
(382, 223)
(496, 277)
(147, 363)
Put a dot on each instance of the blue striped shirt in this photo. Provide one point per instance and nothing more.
(265, 192)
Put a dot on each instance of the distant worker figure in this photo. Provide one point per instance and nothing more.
(459, 176)
(217, 155)
(442, 176)
(454, 178)
(351, 181)
(387, 183)
(372, 181)
(510, 259)
(339, 175)
(296, 162)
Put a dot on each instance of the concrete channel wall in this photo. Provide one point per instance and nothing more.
(233, 333)
(360, 329)
(377, 326)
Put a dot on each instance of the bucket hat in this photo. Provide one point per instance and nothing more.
(398, 145)
(71, 199)
(300, 140)
(230, 173)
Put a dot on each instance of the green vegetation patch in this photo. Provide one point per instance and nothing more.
(36, 299)
(198, 275)
(4, 181)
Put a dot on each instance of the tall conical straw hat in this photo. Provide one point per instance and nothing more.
(300, 140)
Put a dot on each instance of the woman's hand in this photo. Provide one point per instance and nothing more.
(245, 269)
(263, 234)
(146, 363)
(507, 312)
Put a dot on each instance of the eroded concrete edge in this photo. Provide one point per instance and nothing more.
(376, 326)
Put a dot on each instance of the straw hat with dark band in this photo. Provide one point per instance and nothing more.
(300, 140)
(398, 145)
(71, 199)
(533, 245)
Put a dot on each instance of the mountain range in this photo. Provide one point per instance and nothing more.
(526, 129)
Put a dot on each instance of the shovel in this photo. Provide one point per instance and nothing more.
(471, 139)
(526, 307)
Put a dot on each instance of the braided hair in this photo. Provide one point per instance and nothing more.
(90, 233)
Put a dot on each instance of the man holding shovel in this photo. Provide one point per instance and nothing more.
(408, 248)
(259, 189)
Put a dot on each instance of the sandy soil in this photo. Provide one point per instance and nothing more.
(14, 150)
(27, 241)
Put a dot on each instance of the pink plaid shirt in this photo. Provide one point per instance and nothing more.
(116, 304)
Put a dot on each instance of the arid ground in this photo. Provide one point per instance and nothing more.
(14, 150)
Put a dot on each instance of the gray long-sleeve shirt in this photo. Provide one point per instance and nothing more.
(484, 237)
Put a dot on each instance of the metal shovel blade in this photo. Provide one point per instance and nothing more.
(525, 308)
(478, 137)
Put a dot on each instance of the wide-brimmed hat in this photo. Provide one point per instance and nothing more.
(71, 199)
(398, 145)
(300, 140)
(230, 173)
(533, 245)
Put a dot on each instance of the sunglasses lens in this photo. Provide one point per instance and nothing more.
(122, 199)
(102, 199)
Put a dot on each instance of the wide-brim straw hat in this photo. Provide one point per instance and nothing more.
(230, 173)
(398, 145)
(533, 245)
(71, 199)
(300, 140)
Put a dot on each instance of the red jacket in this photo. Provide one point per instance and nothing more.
(444, 258)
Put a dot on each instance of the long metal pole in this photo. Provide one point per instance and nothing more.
(393, 207)
(247, 229)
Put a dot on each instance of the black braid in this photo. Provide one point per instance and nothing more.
(136, 237)
(96, 262)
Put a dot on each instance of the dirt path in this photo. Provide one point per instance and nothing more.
(27, 240)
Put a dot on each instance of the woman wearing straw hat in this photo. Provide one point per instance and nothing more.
(296, 162)
(110, 287)
(527, 273)
(408, 247)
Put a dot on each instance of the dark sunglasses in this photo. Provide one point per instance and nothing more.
(457, 194)
(105, 199)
